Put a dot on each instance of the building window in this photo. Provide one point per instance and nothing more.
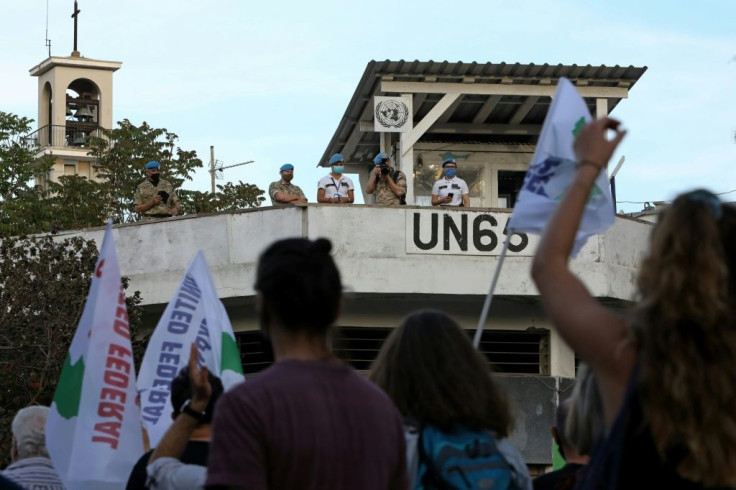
(507, 351)
(509, 185)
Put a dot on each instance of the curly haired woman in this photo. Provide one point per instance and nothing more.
(666, 373)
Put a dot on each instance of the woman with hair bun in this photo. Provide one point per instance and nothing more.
(667, 372)
(308, 421)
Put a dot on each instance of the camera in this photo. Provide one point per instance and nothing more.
(385, 169)
(164, 196)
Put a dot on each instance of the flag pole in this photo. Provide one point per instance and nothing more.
(489, 296)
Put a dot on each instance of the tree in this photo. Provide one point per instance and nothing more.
(121, 155)
(75, 202)
(43, 288)
(22, 206)
(230, 197)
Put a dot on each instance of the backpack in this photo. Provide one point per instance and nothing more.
(463, 459)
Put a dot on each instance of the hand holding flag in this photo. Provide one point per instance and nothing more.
(553, 167)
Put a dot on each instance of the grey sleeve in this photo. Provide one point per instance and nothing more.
(519, 470)
(172, 474)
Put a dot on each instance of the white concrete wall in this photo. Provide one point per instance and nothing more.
(369, 247)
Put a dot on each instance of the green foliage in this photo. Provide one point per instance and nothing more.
(230, 197)
(43, 289)
(22, 209)
(76, 202)
(121, 155)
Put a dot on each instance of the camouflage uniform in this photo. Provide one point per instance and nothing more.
(289, 188)
(145, 192)
(384, 195)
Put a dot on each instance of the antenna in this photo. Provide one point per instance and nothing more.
(216, 168)
(48, 41)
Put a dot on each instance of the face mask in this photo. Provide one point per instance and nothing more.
(155, 178)
(450, 172)
(338, 170)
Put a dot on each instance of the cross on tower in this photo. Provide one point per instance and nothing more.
(75, 16)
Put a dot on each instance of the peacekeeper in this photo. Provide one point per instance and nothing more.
(450, 190)
(389, 186)
(283, 191)
(336, 188)
(155, 197)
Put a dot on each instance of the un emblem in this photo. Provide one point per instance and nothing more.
(392, 113)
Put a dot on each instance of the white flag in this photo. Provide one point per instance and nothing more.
(93, 431)
(194, 314)
(552, 169)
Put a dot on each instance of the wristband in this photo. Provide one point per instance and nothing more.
(187, 409)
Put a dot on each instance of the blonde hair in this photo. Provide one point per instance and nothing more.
(685, 330)
(585, 424)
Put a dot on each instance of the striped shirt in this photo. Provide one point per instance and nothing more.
(34, 474)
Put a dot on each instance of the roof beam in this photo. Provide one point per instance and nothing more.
(355, 133)
(487, 108)
(497, 89)
(523, 110)
(472, 128)
(410, 138)
(417, 102)
(448, 113)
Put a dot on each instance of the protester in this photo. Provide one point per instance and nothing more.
(155, 197)
(166, 471)
(439, 381)
(332, 191)
(666, 373)
(389, 185)
(197, 449)
(283, 191)
(585, 427)
(308, 421)
(450, 190)
(31, 467)
(578, 428)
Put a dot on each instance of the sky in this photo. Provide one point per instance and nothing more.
(270, 81)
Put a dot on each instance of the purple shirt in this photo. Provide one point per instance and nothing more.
(307, 425)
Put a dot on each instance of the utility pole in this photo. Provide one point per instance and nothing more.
(214, 168)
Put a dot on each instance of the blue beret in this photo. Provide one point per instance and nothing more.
(286, 166)
(336, 158)
(448, 160)
(151, 165)
(380, 157)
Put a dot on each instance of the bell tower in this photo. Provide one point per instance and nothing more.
(74, 101)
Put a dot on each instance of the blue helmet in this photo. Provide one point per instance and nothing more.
(336, 158)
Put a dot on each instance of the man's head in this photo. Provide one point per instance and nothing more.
(29, 433)
(287, 172)
(152, 171)
(337, 163)
(449, 167)
(181, 391)
(299, 287)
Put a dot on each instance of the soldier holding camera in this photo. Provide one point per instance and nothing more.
(155, 197)
(389, 185)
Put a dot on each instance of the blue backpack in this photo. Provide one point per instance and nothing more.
(463, 459)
